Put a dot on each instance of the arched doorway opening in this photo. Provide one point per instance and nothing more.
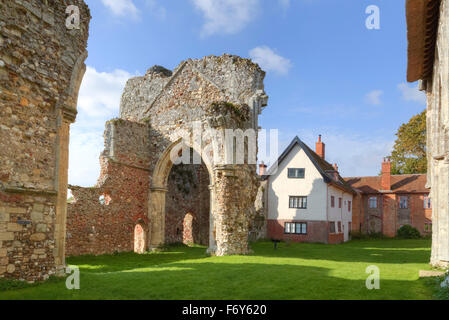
(188, 231)
(178, 190)
(187, 205)
(140, 239)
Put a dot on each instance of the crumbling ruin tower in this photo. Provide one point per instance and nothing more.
(428, 61)
(41, 67)
(194, 106)
(168, 116)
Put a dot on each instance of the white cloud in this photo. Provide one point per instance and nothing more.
(122, 8)
(226, 16)
(373, 97)
(99, 100)
(100, 92)
(268, 60)
(85, 149)
(412, 93)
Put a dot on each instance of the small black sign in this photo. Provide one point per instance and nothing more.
(23, 222)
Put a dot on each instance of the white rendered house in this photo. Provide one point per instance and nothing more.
(306, 198)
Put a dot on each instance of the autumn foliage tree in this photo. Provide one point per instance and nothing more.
(409, 152)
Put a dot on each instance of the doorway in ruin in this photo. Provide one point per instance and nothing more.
(187, 204)
(140, 241)
(180, 200)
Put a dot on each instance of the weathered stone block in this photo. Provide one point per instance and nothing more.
(3, 252)
(37, 237)
(39, 251)
(41, 227)
(6, 236)
(36, 216)
(4, 216)
(14, 227)
(16, 210)
(10, 268)
(38, 207)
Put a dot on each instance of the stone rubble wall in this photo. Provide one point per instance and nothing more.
(138, 178)
(104, 228)
(438, 142)
(218, 93)
(41, 67)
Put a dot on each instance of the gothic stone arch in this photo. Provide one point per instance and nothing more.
(196, 105)
(161, 113)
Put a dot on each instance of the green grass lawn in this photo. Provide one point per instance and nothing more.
(295, 271)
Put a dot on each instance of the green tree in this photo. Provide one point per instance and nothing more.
(409, 152)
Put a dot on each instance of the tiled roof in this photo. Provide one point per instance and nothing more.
(324, 167)
(406, 183)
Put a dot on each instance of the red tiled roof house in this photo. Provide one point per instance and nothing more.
(385, 203)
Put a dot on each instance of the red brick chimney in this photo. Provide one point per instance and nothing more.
(386, 174)
(320, 148)
(262, 169)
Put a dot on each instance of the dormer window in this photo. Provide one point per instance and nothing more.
(296, 173)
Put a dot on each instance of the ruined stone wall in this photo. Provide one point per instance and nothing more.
(41, 67)
(216, 93)
(160, 112)
(438, 142)
(107, 226)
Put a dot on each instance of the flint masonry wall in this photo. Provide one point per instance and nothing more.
(41, 67)
(438, 142)
(158, 113)
(100, 227)
(104, 227)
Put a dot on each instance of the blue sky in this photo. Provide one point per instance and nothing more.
(326, 72)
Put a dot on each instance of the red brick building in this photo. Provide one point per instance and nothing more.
(385, 203)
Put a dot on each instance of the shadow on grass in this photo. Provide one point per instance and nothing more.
(130, 260)
(361, 251)
(296, 271)
(230, 281)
